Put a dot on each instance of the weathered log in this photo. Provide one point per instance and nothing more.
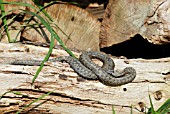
(124, 19)
(72, 95)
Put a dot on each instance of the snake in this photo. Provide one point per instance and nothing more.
(86, 68)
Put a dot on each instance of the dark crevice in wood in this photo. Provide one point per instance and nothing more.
(15, 72)
(54, 94)
(138, 47)
(83, 102)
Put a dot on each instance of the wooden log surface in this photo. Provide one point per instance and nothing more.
(72, 94)
(124, 19)
(75, 26)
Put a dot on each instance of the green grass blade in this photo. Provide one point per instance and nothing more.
(152, 108)
(57, 37)
(57, 27)
(4, 94)
(47, 56)
(6, 13)
(41, 8)
(41, 97)
(6, 24)
(46, 14)
(49, 4)
(4, 20)
(165, 107)
(167, 111)
(14, 92)
(55, 34)
(113, 110)
(46, 24)
(19, 3)
(4, 16)
(62, 44)
(131, 111)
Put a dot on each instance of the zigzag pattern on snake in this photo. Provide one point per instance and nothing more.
(86, 68)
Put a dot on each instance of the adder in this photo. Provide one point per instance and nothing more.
(87, 69)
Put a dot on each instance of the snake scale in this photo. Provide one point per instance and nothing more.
(87, 69)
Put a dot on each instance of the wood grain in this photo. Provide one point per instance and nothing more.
(71, 95)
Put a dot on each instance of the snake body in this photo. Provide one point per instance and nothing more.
(86, 68)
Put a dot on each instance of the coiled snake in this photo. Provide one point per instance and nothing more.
(89, 70)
